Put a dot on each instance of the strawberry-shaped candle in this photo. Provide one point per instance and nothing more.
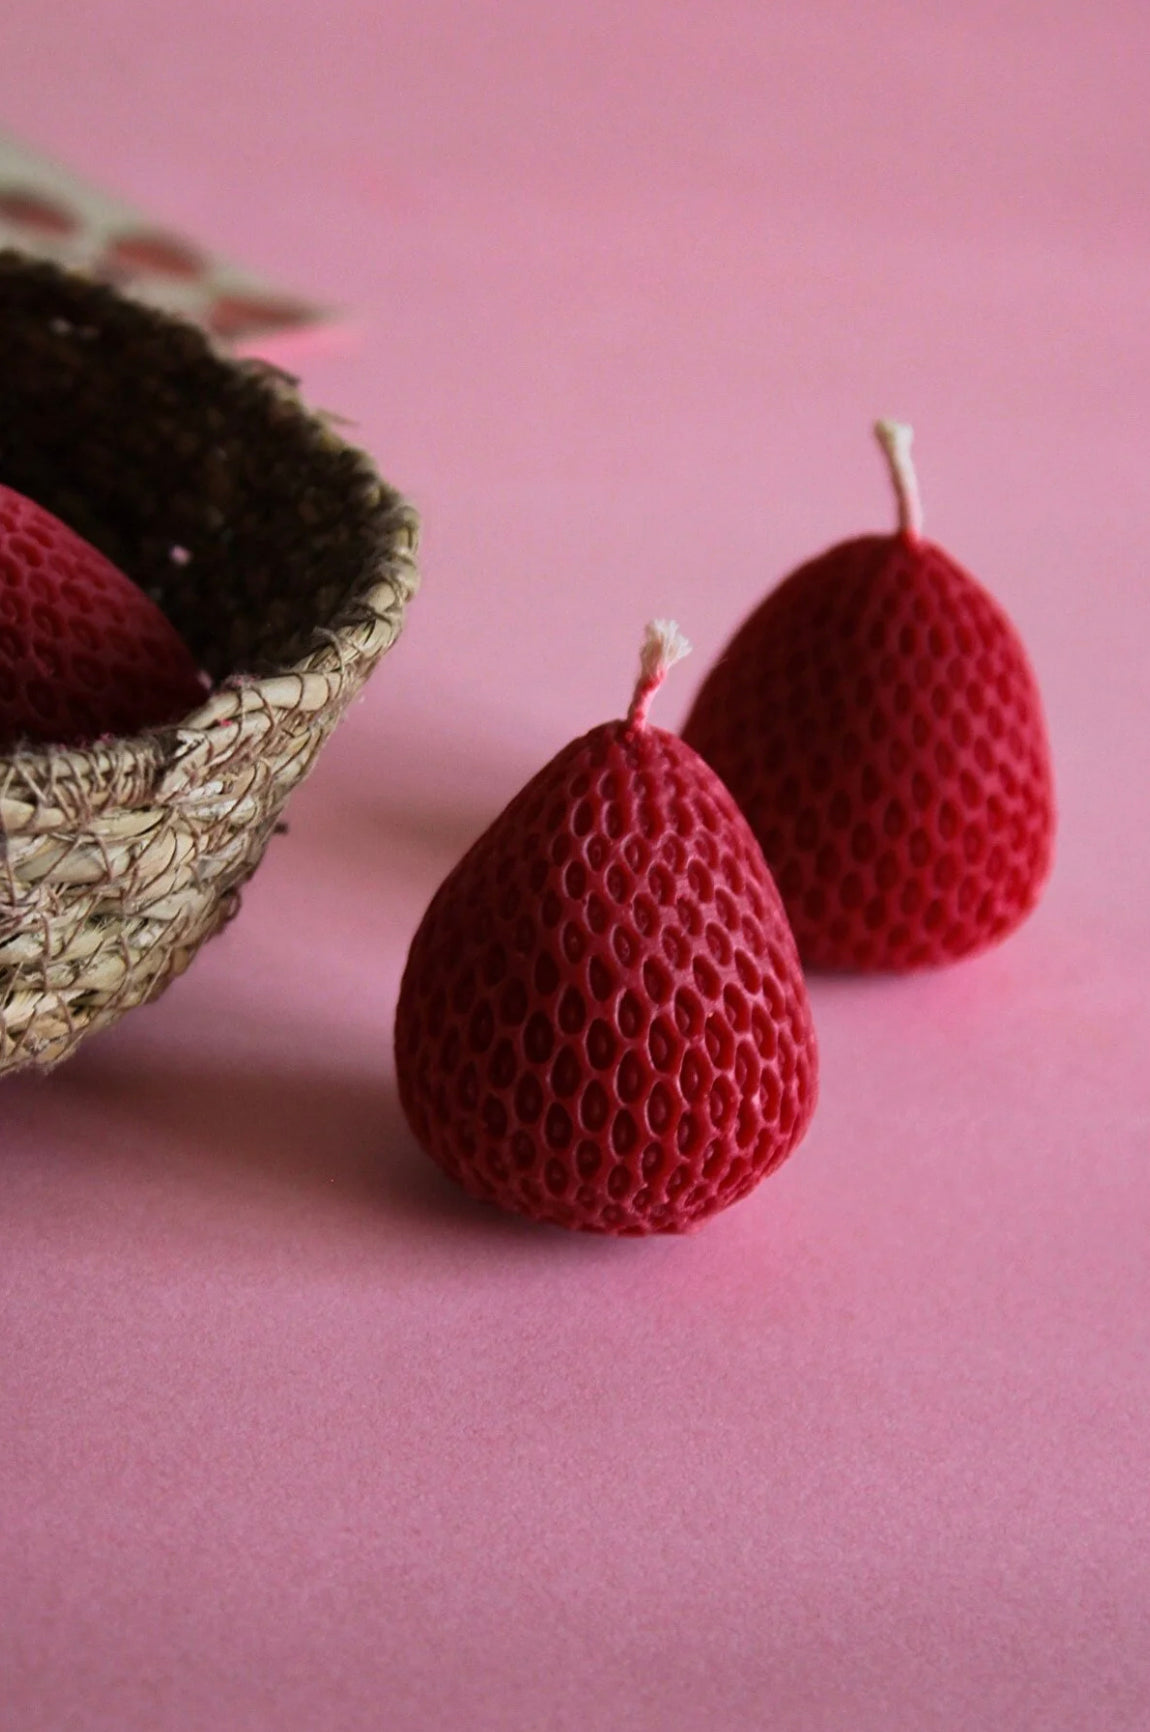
(602, 1022)
(878, 721)
(83, 651)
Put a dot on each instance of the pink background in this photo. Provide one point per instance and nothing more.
(295, 1437)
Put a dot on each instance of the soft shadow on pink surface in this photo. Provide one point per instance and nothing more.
(277, 1138)
(407, 833)
(303, 1129)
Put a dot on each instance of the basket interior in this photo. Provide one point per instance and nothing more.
(202, 478)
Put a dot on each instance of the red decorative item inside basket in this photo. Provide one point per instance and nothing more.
(83, 651)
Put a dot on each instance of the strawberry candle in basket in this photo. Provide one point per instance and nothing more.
(602, 1022)
(84, 653)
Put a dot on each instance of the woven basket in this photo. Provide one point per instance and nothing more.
(282, 558)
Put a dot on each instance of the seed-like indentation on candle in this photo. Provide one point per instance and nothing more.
(566, 1073)
(601, 1045)
(594, 1106)
(572, 1013)
(503, 1066)
(538, 1038)
(529, 1098)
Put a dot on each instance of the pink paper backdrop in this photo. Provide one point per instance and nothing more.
(294, 1436)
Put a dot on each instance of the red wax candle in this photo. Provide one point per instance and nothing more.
(602, 1021)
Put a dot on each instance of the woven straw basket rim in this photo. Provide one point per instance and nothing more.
(117, 859)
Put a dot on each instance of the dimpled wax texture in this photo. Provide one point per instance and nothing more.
(603, 1022)
(877, 720)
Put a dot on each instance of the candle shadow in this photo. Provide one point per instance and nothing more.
(256, 1130)
(431, 798)
(413, 824)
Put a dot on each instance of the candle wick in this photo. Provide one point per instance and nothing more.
(896, 439)
(663, 646)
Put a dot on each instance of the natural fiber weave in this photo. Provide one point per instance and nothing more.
(282, 558)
